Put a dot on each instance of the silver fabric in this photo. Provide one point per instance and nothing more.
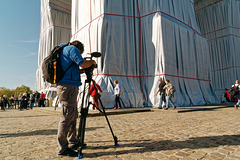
(219, 23)
(55, 29)
(141, 40)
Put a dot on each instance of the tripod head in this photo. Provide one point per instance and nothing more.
(89, 71)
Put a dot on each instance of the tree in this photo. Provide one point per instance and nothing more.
(15, 92)
(21, 89)
(5, 91)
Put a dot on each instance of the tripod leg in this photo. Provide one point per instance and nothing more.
(103, 111)
(82, 117)
(82, 123)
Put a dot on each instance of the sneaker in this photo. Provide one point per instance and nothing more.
(174, 107)
(69, 152)
(115, 108)
(165, 108)
(119, 108)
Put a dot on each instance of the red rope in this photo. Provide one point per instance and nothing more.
(223, 37)
(208, 5)
(54, 26)
(225, 68)
(87, 24)
(139, 17)
(89, 29)
(221, 29)
(140, 50)
(157, 75)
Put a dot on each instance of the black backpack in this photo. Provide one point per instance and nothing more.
(234, 90)
(51, 66)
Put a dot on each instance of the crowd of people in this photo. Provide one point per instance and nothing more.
(24, 101)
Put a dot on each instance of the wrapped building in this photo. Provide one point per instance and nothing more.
(219, 23)
(141, 41)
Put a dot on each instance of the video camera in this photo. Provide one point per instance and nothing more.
(88, 71)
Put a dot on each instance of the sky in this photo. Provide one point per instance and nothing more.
(19, 40)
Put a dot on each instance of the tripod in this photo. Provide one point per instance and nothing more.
(84, 113)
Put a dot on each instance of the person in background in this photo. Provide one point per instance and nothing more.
(1, 104)
(19, 100)
(1, 99)
(12, 101)
(28, 95)
(24, 102)
(42, 99)
(117, 92)
(32, 100)
(94, 95)
(161, 93)
(5, 102)
(227, 95)
(37, 99)
(237, 96)
(168, 87)
(20, 96)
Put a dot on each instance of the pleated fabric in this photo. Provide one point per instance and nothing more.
(219, 23)
(55, 29)
(140, 41)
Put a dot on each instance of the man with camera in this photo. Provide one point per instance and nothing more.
(67, 90)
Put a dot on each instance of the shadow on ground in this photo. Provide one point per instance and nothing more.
(155, 146)
(39, 132)
(26, 116)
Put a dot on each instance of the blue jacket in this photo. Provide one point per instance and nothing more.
(71, 54)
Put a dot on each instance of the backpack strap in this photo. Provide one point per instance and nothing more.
(72, 62)
(68, 44)
(68, 68)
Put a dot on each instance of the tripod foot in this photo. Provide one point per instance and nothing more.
(80, 157)
(116, 145)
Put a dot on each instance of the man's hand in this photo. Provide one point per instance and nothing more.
(88, 63)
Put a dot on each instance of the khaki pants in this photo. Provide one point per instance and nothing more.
(66, 136)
